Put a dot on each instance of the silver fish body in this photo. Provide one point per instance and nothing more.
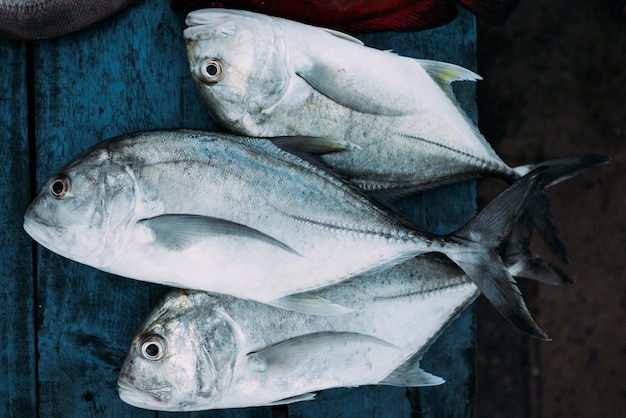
(198, 351)
(268, 76)
(41, 19)
(240, 216)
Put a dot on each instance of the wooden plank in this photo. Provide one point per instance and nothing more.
(17, 355)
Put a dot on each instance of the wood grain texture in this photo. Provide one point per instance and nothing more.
(130, 73)
(17, 355)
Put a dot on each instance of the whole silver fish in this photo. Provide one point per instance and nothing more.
(240, 216)
(198, 351)
(41, 19)
(267, 76)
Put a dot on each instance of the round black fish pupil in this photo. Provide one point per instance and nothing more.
(212, 69)
(58, 187)
(152, 350)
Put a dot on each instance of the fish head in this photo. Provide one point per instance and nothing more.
(183, 357)
(83, 208)
(239, 66)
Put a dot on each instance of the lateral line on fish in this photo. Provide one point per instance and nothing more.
(464, 153)
(382, 232)
(459, 285)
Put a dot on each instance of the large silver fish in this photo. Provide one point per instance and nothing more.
(240, 216)
(266, 76)
(198, 351)
(40, 19)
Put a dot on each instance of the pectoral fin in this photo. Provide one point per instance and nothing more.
(310, 304)
(287, 355)
(312, 145)
(350, 89)
(311, 149)
(177, 232)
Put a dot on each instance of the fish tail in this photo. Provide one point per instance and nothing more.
(522, 263)
(538, 206)
(478, 254)
(496, 240)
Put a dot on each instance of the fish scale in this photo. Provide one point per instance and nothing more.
(42, 19)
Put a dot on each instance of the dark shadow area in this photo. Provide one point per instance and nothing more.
(554, 86)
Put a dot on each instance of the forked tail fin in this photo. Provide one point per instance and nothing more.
(538, 206)
(523, 264)
(480, 257)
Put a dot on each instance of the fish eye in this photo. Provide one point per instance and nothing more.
(211, 70)
(153, 347)
(59, 187)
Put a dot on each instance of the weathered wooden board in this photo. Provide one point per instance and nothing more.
(67, 327)
(17, 326)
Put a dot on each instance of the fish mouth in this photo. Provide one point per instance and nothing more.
(153, 397)
(39, 230)
(49, 235)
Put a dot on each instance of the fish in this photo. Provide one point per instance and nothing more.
(363, 16)
(240, 216)
(44, 19)
(199, 351)
(266, 76)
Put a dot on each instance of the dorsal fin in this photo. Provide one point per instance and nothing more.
(342, 35)
(444, 74)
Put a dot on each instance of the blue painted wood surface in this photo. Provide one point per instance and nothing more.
(17, 325)
(67, 327)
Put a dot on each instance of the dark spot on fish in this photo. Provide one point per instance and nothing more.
(152, 350)
(88, 396)
(59, 187)
(211, 69)
(153, 347)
